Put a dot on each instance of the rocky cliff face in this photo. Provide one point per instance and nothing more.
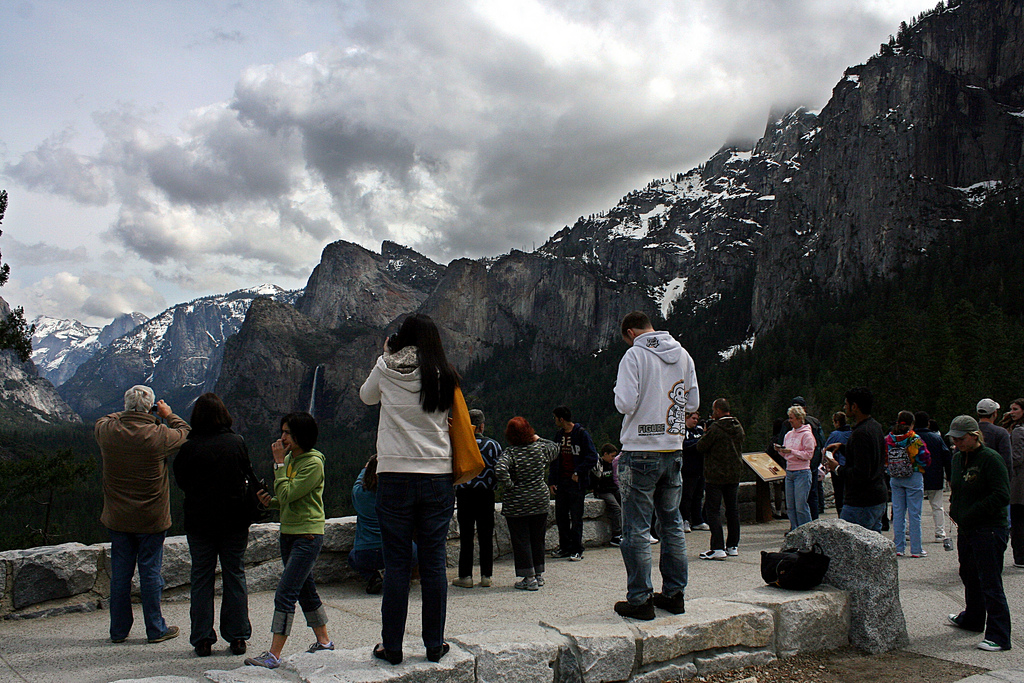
(60, 346)
(172, 353)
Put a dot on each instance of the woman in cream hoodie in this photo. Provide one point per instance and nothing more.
(415, 385)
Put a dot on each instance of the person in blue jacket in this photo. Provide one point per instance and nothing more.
(367, 555)
(568, 479)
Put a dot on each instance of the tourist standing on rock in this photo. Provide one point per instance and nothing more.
(906, 458)
(474, 506)
(1014, 422)
(798, 449)
(980, 492)
(938, 471)
(996, 438)
(656, 385)
(570, 476)
(722, 447)
(691, 502)
(415, 386)
(522, 472)
(367, 554)
(299, 495)
(213, 468)
(840, 434)
(603, 480)
(863, 473)
(135, 447)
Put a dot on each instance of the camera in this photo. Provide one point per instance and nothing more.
(392, 341)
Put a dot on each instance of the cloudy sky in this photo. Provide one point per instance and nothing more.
(160, 150)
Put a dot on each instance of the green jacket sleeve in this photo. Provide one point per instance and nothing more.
(307, 475)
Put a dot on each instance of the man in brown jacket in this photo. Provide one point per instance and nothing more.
(135, 449)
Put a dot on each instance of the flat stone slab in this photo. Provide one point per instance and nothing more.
(524, 653)
(50, 572)
(728, 661)
(805, 621)
(673, 673)
(606, 646)
(157, 679)
(248, 674)
(708, 623)
(360, 666)
(998, 676)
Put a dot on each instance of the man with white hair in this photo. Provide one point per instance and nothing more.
(135, 448)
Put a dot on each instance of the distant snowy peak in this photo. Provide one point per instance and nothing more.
(60, 346)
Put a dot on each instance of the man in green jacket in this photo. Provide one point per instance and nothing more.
(722, 448)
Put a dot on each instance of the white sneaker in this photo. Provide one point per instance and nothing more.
(732, 552)
(713, 555)
(701, 527)
(686, 526)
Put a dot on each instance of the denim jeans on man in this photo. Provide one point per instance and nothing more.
(907, 498)
(869, 517)
(234, 604)
(650, 481)
(798, 487)
(414, 506)
(981, 569)
(298, 553)
(127, 550)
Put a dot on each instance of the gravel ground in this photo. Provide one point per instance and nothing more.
(849, 666)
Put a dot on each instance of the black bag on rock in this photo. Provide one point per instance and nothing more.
(794, 568)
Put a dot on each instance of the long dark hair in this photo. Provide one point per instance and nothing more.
(438, 378)
(209, 415)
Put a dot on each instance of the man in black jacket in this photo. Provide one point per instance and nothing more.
(569, 478)
(722, 447)
(863, 475)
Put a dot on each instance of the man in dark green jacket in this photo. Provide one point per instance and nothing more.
(722, 448)
(980, 492)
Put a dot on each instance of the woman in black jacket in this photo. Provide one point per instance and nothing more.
(211, 469)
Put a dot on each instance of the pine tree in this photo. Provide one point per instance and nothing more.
(15, 333)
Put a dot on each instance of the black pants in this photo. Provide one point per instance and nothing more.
(234, 605)
(475, 509)
(569, 517)
(527, 536)
(981, 570)
(837, 489)
(691, 503)
(714, 494)
(1017, 533)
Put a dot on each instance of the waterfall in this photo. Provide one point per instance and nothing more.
(312, 392)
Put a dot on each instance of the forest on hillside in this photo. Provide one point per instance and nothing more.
(938, 337)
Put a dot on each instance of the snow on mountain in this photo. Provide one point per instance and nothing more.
(60, 346)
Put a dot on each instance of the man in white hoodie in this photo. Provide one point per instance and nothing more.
(655, 388)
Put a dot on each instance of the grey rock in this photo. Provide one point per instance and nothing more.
(521, 654)
(264, 576)
(998, 676)
(708, 623)
(727, 661)
(332, 568)
(247, 674)
(29, 398)
(177, 563)
(671, 673)
(805, 621)
(51, 572)
(157, 679)
(360, 666)
(264, 543)
(339, 534)
(605, 644)
(877, 623)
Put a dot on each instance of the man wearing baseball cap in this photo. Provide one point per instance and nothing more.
(996, 438)
(980, 493)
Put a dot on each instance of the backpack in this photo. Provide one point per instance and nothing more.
(794, 568)
(898, 463)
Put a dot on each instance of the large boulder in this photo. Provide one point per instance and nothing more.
(863, 564)
(51, 572)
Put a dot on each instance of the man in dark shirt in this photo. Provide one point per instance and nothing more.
(475, 509)
(996, 437)
(863, 475)
(570, 475)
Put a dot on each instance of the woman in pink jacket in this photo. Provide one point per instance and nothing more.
(798, 449)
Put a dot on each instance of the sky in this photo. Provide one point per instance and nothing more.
(156, 151)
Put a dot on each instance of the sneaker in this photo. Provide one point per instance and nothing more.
(267, 660)
(713, 555)
(540, 579)
(1018, 565)
(485, 581)
(701, 527)
(238, 647)
(954, 619)
(923, 553)
(899, 553)
(670, 603)
(375, 584)
(320, 647)
(527, 584)
(463, 582)
(558, 554)
(654, 540)
(616, 541)
(171, 632)
(118, 640)
(990, 646)
(643, 611)
(732, 552)
(686, 527)
(576, 557)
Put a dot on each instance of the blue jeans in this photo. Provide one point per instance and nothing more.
(127, 550)
(869, 517)
(650, 481)
(981, 569)
(907, 497)
(367, 562)
(414, 507)
(798, 488)
(234, 605)
(298, 553)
